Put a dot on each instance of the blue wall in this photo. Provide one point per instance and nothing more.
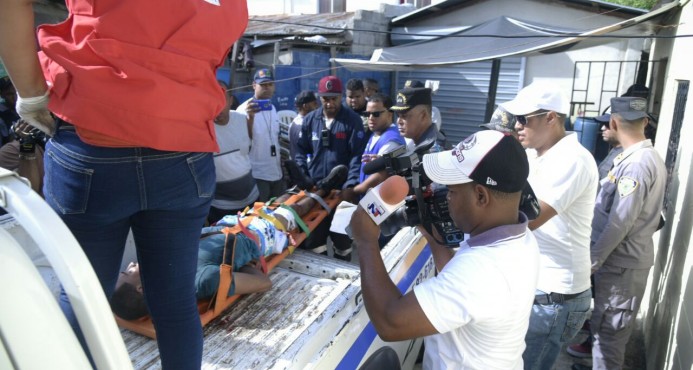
(304, 74)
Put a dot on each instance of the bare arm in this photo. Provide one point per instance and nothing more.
(371, 181)
(394, 316)
(17, 47)
(546, 213)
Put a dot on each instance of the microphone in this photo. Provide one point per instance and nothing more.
(375, 165)
(384, 160)
(381, 201)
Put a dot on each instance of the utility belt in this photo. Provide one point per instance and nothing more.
(554, 298)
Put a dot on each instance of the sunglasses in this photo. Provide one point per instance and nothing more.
(523, 119)
(374, 114)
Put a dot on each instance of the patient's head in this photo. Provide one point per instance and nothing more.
(128, 298)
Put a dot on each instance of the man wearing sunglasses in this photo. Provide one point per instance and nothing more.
(564, 177)
(610, 138)
(385, 138)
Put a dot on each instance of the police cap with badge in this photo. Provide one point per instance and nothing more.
(409, 97)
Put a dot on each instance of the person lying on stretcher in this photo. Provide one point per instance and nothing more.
(128, 299)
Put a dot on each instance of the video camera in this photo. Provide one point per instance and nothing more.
(427, 202)
(27, 135)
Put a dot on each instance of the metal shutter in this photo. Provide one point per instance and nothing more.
(463, 92)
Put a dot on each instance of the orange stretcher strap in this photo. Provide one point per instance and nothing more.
(221, 301)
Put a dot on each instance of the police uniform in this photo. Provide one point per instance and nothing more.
(408, 98)
(626, 215)
(608, 162)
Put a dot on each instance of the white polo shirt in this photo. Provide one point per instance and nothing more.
(481, 301)
(565, 178)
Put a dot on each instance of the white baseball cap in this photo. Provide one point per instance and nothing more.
(539, 95)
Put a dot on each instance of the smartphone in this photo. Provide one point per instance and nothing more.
(264, 104)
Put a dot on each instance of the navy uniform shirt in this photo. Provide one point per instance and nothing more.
(346, 141)
(430, 135)
(608, 162)
(627, 210)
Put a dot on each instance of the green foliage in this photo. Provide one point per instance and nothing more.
(642, 4)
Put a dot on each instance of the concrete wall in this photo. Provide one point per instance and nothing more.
(364, 42)
(668, 320)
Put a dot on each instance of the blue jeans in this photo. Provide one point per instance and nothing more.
(550, 326)
(101, 193)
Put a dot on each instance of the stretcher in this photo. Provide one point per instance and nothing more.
(210, 309)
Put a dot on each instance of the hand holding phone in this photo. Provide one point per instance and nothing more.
(264, 104)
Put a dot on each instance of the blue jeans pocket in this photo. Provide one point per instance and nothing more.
(202, 168)
(573, 324)
(67, 185)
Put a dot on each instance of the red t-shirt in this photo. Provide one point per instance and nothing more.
(141, 73)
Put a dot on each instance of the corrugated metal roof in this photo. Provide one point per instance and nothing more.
(303, 24)
(449, 5)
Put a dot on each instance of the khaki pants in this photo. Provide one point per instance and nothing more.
(618, 293)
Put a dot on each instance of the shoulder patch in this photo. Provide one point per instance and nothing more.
(626, 186)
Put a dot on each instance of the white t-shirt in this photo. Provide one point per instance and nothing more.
(387, 147)
(232, 164)
(265, 134)
(481, 301)
(565, 178)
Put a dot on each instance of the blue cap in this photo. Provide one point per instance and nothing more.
(263, 75)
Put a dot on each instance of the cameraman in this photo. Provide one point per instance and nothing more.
(475, 312)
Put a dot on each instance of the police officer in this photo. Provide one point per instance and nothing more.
(626, 216)
(330, 135)
(502, 121)
(414, 109)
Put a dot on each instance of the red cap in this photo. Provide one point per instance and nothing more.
(330, 86)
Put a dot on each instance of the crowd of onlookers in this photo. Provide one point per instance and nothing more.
(592, 240)
(337, 124)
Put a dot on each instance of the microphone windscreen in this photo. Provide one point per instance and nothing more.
(394, 189)
(375, 165)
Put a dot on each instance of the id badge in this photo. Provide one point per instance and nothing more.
(325, 138)
(273, 150)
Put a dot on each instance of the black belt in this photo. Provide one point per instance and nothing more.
(552, 298)
(64, 125)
